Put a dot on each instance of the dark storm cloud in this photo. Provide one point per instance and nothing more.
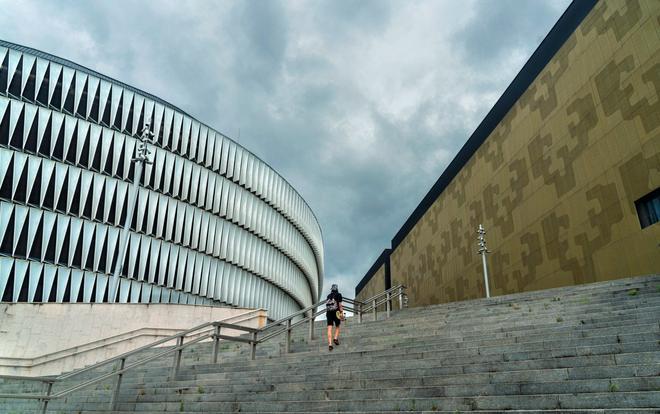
(344, 18)
(359, 105)
(259, 31)
(497, 28)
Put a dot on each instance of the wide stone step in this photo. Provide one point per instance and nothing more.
(591, 347)
(440, 378)
(609, 400)
(413, 316)
(612, 344)
(516, 319)
(506, 402)
(533, 333)
(476, 355)
(587, 411)
(513, 318)
(339, 381)
(432, 368)
(574, 332)
(333, 391)
(490, 306)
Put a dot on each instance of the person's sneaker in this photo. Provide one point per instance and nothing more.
(330, 348)
(336, 341)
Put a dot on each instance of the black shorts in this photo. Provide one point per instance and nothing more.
(332, 318)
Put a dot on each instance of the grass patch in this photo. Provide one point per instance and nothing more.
(613, 387)
(560, 319)
(200, 389)
(633, 292)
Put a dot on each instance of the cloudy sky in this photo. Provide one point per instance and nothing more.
(360, 105)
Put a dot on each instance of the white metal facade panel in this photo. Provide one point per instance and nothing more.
(214, 224)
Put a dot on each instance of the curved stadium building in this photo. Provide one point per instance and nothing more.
(213, 223)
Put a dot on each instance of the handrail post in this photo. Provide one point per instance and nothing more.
(253, 346)
(311, 323)
(216, 343)
(288, 336)
(359, 309)
(49, 388)
(373, 305)
(115, 394)
(400, 297)
(389, 304)
(177, 357)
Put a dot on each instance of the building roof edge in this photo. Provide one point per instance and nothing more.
(554, 40)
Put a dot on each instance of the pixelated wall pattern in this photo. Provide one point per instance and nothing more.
(556, 181)
(375, 286)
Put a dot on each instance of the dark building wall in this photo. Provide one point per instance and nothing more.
(376, 280)
(555, 179)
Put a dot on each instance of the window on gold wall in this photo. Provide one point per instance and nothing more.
(648, 208)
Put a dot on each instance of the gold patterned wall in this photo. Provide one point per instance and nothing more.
(375, 286)
(555, 183)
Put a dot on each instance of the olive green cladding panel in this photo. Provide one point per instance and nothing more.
(555, 183)
(375, 286)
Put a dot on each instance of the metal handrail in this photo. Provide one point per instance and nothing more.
(312, 313)
(22, 378)
(126, 368)
(133, 352)
(293, 315)
(390, 290)
(288, 327)
(47, 357)
(101, 377)
(371, 304)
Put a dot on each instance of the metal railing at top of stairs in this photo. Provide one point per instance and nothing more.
(119, 339)
(201, 333)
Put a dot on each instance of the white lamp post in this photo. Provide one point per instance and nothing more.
(142, 153)
(483, 251)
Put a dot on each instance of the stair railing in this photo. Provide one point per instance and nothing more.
(120, 339)
(209, 330)
(371, 304)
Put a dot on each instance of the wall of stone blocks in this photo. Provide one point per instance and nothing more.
(555, 183)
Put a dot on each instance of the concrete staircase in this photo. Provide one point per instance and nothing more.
(590, 348)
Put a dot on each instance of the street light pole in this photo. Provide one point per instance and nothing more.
(141, 158)
(483, 251)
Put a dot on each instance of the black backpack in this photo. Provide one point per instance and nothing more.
(331, 305)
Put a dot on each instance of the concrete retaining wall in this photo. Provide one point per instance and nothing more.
(51, 338)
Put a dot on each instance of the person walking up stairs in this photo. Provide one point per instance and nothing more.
(334, 311)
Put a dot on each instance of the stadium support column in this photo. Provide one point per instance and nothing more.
(141, 157)
(483, 251)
